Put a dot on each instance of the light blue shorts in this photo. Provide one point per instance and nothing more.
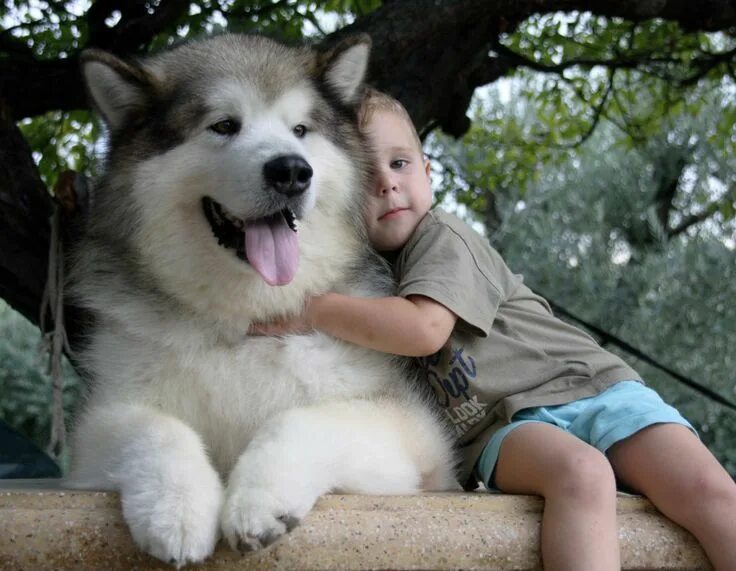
(602, 420)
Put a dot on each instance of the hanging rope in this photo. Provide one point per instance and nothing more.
(54, 341)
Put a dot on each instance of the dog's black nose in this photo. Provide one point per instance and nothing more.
(288, 174)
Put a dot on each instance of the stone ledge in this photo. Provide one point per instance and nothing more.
(46, 528)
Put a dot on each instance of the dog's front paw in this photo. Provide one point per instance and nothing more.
(178, 524)
(253, 518)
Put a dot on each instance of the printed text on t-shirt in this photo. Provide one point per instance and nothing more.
(451, 384)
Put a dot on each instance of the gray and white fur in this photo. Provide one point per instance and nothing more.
(203, 429)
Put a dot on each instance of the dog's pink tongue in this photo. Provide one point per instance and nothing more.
(272, 249)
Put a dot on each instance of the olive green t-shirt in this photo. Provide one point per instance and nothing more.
(507, 351)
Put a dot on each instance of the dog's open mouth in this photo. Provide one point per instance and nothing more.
(269, 244)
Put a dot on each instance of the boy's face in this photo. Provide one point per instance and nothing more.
(401, 193)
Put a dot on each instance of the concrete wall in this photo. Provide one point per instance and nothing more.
(46, 528)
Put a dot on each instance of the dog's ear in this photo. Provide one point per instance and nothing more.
(118, 89)
(343, 66)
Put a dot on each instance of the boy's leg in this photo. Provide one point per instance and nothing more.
(668, 464)
(579, 530)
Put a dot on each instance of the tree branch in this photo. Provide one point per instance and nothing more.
(585, 63)
(32, 87)
(703, 215)
(707, 64)
(11, 44)
(706, 16)
(137, 27)
(598, 112)
(643, 61)
(25, 207)
(97, 14)
(665, 196)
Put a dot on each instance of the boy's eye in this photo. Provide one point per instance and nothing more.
(399, 163)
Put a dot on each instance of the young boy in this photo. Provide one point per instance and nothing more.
(538, 406)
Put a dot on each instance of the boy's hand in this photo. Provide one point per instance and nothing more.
(295, 326)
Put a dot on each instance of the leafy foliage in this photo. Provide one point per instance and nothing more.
(637, 76)
(581, 224)
(62, 141)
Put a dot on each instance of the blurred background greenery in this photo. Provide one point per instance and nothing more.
(611, 187)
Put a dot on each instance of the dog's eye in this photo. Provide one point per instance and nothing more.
(226, 127)
(300, 130)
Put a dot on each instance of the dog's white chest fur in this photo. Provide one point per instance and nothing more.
(225, 393)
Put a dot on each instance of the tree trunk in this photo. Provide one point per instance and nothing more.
(25, 208)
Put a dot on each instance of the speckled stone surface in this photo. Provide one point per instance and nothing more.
(46, 528)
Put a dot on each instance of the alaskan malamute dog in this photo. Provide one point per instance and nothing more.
(232, 191)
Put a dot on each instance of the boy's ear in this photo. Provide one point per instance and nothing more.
(427, 168)
(118, 89)
(343, 66)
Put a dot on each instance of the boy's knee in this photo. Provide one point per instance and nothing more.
(584, 477)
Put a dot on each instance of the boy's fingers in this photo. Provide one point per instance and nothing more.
(271, 329)
(264, 329)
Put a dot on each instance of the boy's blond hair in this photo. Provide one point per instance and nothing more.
(374, 100)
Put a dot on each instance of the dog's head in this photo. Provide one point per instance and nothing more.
(234, 161)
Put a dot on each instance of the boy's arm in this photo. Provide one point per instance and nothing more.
(415, 326)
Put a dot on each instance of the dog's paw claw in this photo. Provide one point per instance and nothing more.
(253, 520)
(290, 521)
(246, 545)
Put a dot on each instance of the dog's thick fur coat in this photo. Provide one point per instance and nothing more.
(202, 428)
